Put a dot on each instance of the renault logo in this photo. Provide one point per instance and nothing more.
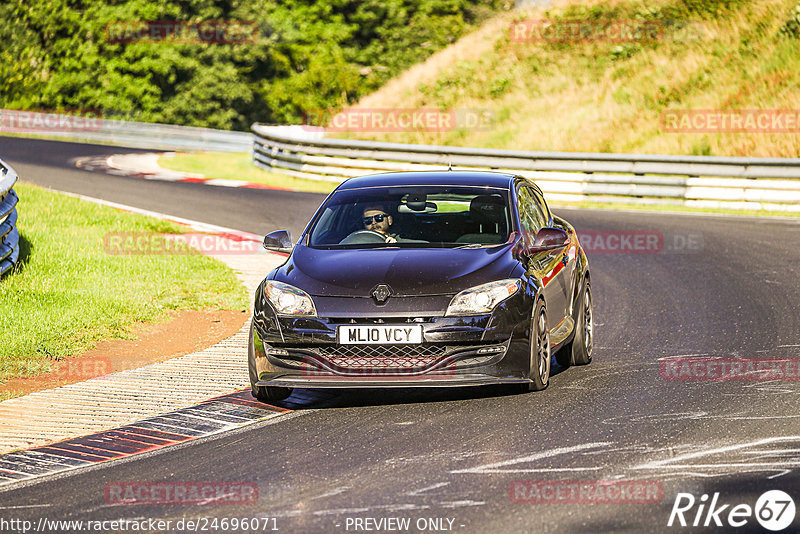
(381, 292)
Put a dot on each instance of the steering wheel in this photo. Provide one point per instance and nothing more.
(361, 237)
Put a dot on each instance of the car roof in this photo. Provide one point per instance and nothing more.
(467, 178)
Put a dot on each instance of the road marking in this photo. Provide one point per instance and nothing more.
(415, 493)
(495, 467)
(784, 472)
(146, 166)
(680, 461)
(195, 225)
(461, 504)
(331, 493)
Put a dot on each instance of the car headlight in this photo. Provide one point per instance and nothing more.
(288, 300)
(482, 299)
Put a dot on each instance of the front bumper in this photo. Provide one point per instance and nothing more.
(333, 381)
(456, 351)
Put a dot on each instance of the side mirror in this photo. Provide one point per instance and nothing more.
(549, 239)
(278, 241)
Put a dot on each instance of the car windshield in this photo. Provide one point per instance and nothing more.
(418, 216)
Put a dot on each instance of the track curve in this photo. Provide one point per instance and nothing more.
(455, 454)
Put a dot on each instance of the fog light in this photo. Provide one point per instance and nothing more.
(489, 350)
(278, 352)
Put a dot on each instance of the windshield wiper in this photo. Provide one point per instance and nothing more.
(471, 245)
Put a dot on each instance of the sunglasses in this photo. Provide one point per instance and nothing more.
(378, 218)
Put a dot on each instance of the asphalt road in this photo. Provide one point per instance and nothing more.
(730, 290)
(49, 164)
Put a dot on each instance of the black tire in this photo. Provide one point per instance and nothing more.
(539, 349)
(262, 393)
(583, 341)
(579, 350)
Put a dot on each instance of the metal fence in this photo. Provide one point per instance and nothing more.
(699, 181)
(9, 236)
(124, 133)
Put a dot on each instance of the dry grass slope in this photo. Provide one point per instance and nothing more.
(610, 96)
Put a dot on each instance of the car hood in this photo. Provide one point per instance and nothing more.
(407, 271)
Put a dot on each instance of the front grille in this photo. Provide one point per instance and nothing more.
(359, 357)
(383, 359)
(379, 320)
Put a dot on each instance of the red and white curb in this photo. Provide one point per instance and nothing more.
(125, 397)
(213, 416)
(146, 166)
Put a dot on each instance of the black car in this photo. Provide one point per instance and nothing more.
(423, 279)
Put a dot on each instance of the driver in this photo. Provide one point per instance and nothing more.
(375, 218)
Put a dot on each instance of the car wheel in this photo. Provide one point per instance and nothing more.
(262, 393)
(579, 350)
(540, 349)
(584, 335)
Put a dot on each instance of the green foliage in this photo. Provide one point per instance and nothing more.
(499, 86)
(702, 148)
(641, 10)
(307, 55)
(709, 8)
(624, 51)
(792, 26)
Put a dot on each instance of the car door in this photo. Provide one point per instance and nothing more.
(546, 266)
(565, 277)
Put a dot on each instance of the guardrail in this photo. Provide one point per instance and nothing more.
(124, 133)
(9, 236)
(699, 181)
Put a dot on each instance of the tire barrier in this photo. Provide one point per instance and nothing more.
(9, 236)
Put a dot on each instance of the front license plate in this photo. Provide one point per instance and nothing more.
(382, 334)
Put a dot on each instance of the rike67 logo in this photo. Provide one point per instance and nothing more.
(774, 510)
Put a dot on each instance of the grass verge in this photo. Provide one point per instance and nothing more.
(68, 293)
(238, 166)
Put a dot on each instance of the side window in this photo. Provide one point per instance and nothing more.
(530, 215)
(541, 206)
